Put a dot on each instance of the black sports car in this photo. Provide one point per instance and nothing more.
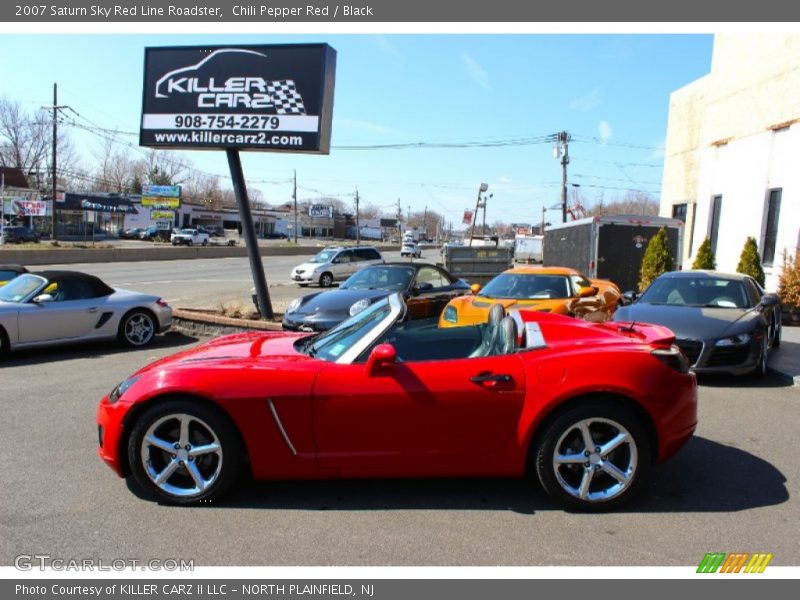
(722, 322)
(428, 287)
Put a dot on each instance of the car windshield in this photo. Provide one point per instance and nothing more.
(332, 344)
(527, 287)
(696, 291)
(380, 278)
(323, 256)
(189, 231)
(20, 288)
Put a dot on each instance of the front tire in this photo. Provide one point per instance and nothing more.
(137, 329)
(181, 452)
(326, 280)
(594, 457)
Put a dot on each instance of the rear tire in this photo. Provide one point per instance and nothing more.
(599, 478)
(207, 461)
(137, 329)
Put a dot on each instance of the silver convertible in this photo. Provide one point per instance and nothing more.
(59, 307)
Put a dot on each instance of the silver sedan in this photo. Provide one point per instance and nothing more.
(59, 307)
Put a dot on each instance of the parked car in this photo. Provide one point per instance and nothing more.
(384, 396)
(133, 233)
(723, 322)
(9, 272)
(150, 233)
(410, 248)
(190, 237)
(58, 307)
(18, 234)
(552, 289)
(430, 286)
(335, 264)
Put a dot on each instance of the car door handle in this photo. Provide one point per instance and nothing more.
(491, 378)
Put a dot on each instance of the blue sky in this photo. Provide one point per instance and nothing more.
(610, 91)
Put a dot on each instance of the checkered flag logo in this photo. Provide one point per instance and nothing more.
(285, 97)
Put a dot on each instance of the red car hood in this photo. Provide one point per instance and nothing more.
(277, 345)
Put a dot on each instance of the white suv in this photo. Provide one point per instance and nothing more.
(335, 264)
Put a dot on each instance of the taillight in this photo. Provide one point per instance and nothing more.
(673, 358)
(163, 303)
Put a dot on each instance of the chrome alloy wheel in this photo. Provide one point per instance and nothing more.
(595, 460)
(181, 455)
(139, 329)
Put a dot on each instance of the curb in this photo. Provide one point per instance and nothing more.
(197, 322)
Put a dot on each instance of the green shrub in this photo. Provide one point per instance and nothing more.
(657, 259)
(705, 258)
(789, 281)
(750, 261)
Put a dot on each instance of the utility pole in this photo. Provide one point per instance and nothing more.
(294, 196)
(358, 226)
(399, 215)
(483, 187)
(55, 108)
(425, 223)
(563, 147)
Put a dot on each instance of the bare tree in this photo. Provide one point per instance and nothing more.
(24, 138)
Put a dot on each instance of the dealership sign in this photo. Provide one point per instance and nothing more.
(21, 207)
(267, 97)
(161, 196)
(320, 211)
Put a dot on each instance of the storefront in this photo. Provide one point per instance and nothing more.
(83, 216)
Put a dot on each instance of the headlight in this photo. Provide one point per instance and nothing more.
(450, 314)
(359, 306)
(299, 271)
(117, 392)
(294, 305)
(735, 340)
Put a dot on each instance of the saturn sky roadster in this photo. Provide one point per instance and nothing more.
(585, 407)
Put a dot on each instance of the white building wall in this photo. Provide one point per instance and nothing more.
(736, 133)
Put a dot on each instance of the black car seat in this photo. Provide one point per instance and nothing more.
(492, 331)
(506, 341)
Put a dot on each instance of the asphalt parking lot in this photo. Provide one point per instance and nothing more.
(733, 488)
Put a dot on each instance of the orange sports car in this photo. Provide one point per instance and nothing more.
(547, 289)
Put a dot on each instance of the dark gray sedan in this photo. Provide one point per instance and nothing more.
(722, 322)
(428, 287)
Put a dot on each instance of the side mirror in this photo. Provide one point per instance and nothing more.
(770, 300)
(585, 292)
(422, 288)
(629, 297)
(475, 287)
(42, 299)
(381, 357)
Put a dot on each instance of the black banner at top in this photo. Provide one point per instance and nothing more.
(375, 11)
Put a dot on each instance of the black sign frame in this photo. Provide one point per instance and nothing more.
(266, 97)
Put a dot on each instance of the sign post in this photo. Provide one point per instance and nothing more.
(272, 98)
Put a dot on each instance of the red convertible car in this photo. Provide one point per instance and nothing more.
(587, 407)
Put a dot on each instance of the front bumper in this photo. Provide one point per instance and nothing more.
(705, 357)
(301, 323)
(110, 431)
(307, 276)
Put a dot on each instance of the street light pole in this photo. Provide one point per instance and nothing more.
(294, 196)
